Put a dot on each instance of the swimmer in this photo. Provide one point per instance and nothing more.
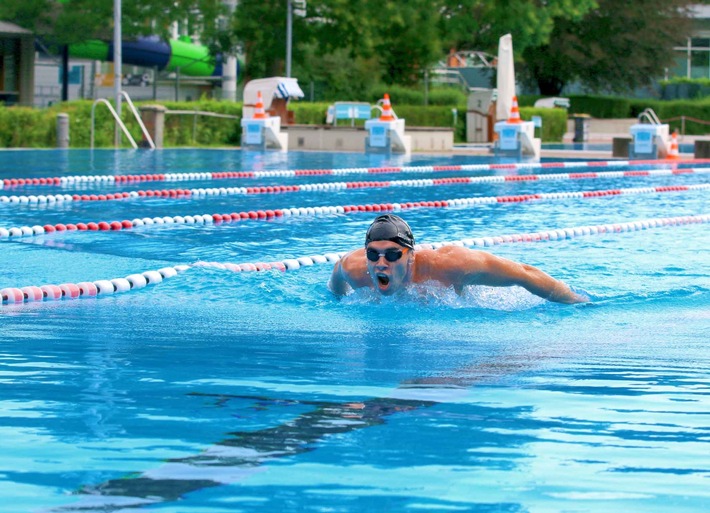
(388, 263)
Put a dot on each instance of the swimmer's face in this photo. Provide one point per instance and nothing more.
(388, 266)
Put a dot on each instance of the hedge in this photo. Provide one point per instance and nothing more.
(25, 127)
(36, 128)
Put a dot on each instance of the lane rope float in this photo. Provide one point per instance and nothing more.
(545, 235)
(85, 289)
(136, 281)
(208, 219)
(222, 175)
(51, 199)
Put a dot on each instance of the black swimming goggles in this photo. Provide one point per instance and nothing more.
(391, 255)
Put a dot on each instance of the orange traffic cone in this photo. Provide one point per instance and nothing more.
(259, 112)
(673, 150)
(387, 113)
(514, 112)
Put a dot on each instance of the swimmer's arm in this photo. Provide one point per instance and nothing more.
(337, 284)
(350, 273)
(495, 271)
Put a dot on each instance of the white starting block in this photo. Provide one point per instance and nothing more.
(517, 140)
(387, 136)
(263, 134)
(650, 141)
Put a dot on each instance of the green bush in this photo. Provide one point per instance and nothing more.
(696, 114)
(37, 127)
(435, 116)
(605, 107)
(306, 113)
(445, 96)
(192, 130)
(554, 122)
(684, 88)
(34, 128)
(25, 127)
(398, 95)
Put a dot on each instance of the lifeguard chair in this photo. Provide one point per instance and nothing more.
(266, 110)
(276, 92)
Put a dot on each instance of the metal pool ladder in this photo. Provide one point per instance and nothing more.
(120, 123)
(650, 115)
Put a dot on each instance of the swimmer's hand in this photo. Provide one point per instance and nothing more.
(562, 293)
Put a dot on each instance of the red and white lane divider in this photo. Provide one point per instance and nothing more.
(545, 235)
(222, 175)
(87, 289)
(206, 219)
(51, 199)
(340, 186)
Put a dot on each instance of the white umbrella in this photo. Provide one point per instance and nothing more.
(506, 77)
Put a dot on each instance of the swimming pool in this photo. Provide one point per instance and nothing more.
(216, 388)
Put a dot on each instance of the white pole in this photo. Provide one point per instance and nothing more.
(117, 63)
(229, 63)
(289, 35)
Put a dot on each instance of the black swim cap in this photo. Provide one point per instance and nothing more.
(390, 227)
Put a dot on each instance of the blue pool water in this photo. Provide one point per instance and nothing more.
(221, 391)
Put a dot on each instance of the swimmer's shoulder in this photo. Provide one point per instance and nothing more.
(354, 263)
(448, 254)
(444, 263)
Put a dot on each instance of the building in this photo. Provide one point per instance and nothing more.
(694, 57)
(17, 60)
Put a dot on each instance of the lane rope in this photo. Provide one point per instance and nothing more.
(137, 281)
(51, 199)
(209, 219)
(221, 175)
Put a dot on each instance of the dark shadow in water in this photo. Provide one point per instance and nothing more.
(244, 450)
(243, 453)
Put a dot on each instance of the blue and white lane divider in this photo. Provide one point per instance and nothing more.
(202, 192)
(87, 289)
(207, 219)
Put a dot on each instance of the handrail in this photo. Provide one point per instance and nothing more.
(650, 115)
(140, 121)
(378, 106)
(196, 113)
(115, 116)
(202, 113)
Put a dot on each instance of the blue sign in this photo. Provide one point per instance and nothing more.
(643, 142)
(509, 139)
(253, 135)
(352, 111)
(378, 136)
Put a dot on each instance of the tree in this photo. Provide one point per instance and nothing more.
(407, 40)
(479, 24)
(74, 21)
(617, 47)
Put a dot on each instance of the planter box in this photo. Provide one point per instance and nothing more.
(343, 138)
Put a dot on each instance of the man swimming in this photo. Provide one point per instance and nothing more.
(388, 263)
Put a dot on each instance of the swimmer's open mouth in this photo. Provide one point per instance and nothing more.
(383, 280)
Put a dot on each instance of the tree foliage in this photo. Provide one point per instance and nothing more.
(350, 45)
(75, 21)
(479, 24)
(395, 41)
(617, 47)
